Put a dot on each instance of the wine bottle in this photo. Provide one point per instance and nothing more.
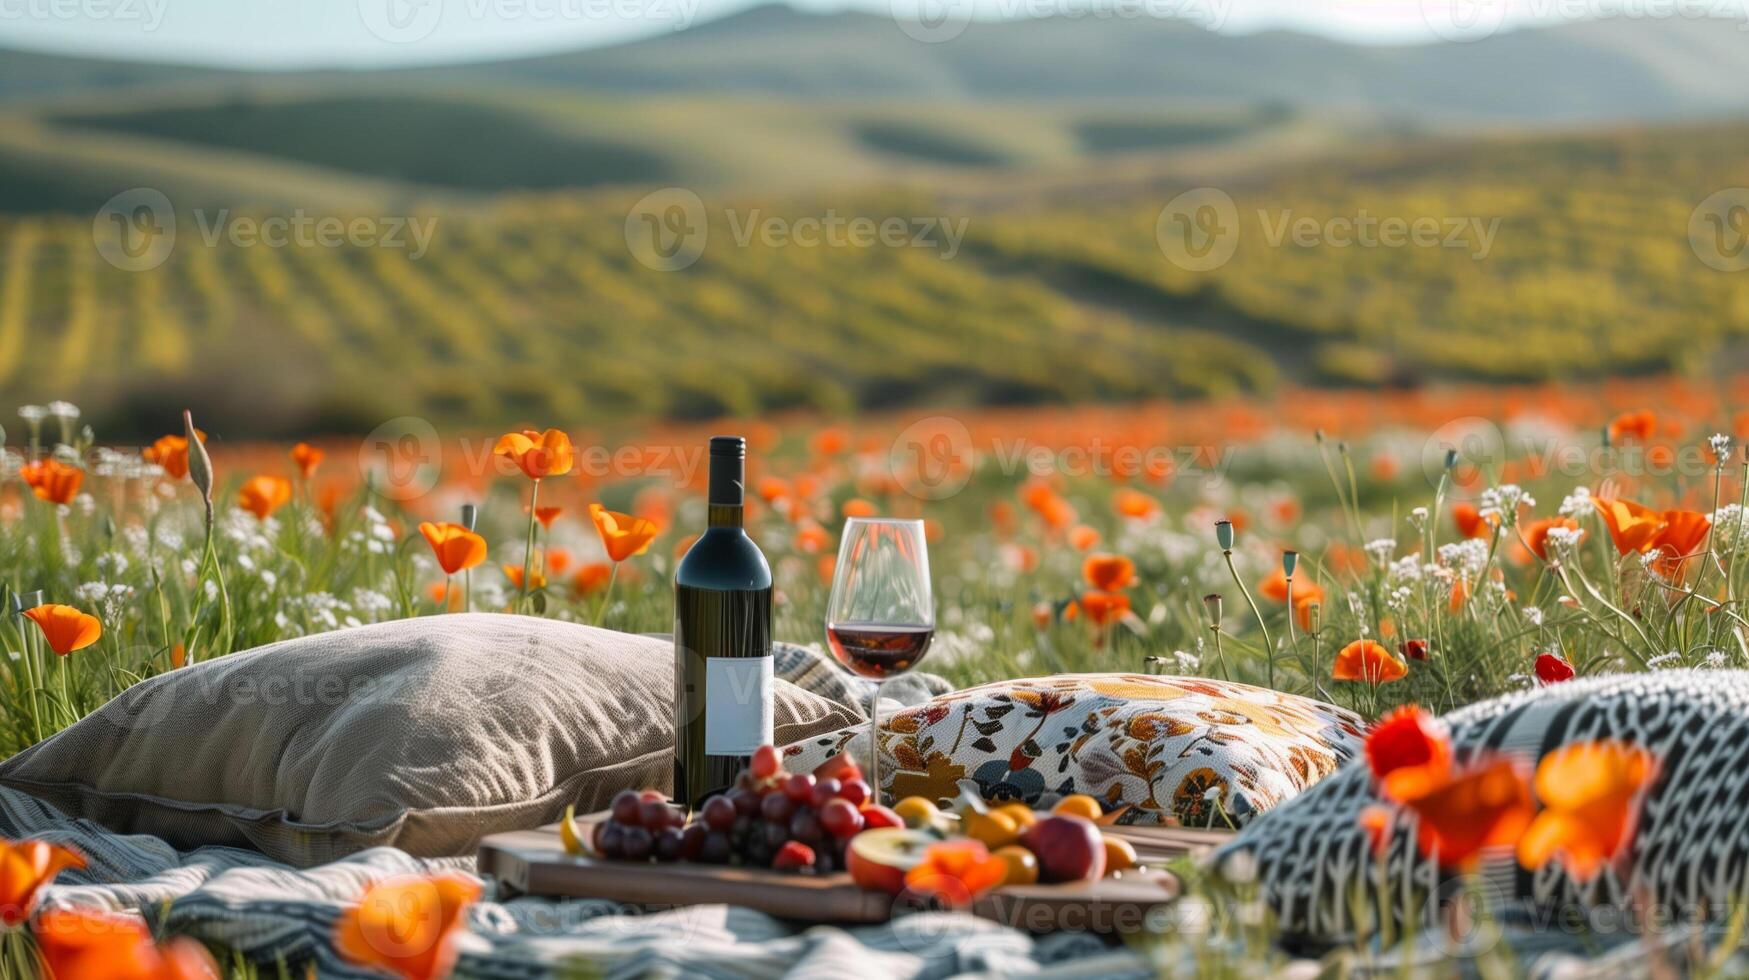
(722, 640)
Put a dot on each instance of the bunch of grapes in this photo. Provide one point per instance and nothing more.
(770, 819)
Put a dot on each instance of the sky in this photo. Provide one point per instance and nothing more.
(365, 33)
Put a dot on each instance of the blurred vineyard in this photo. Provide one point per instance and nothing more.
(536, 308)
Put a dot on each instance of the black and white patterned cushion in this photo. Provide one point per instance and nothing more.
(1312, 860)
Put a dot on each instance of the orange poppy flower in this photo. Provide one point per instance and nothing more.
(811, 538)
(557, 559)
(408, 927)
(1536, 533)
(830, 442)
(305, 456)
(1469, 520)
(1640, 425)
(1002, 518)
(858, 507)
(622, 534)
(1059, 513)
(170, 453)
(1590, 793)
(956, 872)
(52, 480)
(826, 566)
(1108, 573)
(1082, 537)
(1304, 602)
(1460, 815)
(1104, 608)
(771, 489)
(1375, 822)
(1274, 585)
(263, 495)
(1408, 738)
(537, 577)
(65, 628)
(456, 547)
(25, 868)
(1633, 527)
(1367, 660)
(85, 944)
(547, 515)
(591, 577)
(1134, 504)
(537, 454)
(1679, 542)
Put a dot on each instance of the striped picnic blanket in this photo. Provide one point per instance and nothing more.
(272, 913)
(275, 913)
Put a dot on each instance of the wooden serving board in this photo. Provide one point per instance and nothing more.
(534, 862)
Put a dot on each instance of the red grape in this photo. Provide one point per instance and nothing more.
(824, 789)
(611, 839)
(800, 788)
(637, 843)
(746, 801)
(652, 796)
(656, 814)
(840, 818)
(626, 807)
(856, 791)
(777, 807)
(793, 856)
(775, 834)
(766, 762)
(719, 813)
(805, 827)
(692, 841)
(667, 844)
(874, 815)
(716, 848)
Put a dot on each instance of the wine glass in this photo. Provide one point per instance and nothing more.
(881, 616)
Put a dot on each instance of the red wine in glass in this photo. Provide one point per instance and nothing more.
(878, 650)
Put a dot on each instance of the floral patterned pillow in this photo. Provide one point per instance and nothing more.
(1185, 750)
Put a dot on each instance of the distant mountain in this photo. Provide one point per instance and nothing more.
(1590, 70)
(1585, 71)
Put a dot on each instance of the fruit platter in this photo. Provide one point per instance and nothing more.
(817, 847)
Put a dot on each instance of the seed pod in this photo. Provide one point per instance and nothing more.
(200, 465)
(470, 514)
(1290, 560)
(1224, 535)
(1212, 602)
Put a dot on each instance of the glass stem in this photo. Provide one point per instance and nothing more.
(874, 742)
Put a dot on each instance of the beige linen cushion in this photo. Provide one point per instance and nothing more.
(425, 734)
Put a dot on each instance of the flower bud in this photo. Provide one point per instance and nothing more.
(1224, 535)
(200, 465)
(1212, 602)
(1290, 560)
(470, 514)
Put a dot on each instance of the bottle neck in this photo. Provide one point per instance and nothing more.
(727, 493)
(726, 515)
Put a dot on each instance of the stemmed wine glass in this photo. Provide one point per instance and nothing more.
(881, 616)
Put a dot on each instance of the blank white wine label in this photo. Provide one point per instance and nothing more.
(737, 710)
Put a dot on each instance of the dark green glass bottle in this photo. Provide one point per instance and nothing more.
(722, 640)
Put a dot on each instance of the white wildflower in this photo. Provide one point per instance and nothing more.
(1381, 549)
(1188, 663)
(92, 593)
(1533, 615)
(33, 414)
(1503, 502)
(1721, 447)
(1578, 503)
(1418, 518)
(112, 564)
(1664, 658)
(61, 410)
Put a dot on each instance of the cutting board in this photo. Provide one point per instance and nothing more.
(534, 862)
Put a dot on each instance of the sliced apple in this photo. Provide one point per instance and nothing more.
(878, 859)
